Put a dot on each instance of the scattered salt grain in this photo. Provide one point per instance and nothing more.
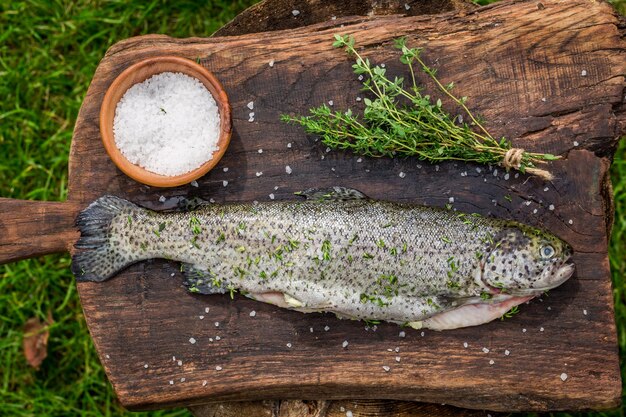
(344, 344)
(583, 73)
(349, 413)
(204, 383)
(523, 330)
(563, 376)
(551, 207)
(491, 362)
(546, 189)
(386, 368)
(169, 124)
(295, 12)
(289, 145)
(576, 143)
(570, 221)
(451, 200)
(407, 6)
(271, 63)
(397, 358)
(218, 368)
(402, 334)
(330, 102)
(145, 366)
(250, 105)
(207, 309)
(535, 211)
(543, 99)
(162, 199)
(311, 329)
(506, 176)
(272, 196)
(171, 382)
(194, 183)
(289, 345)
(258, 174)
(465, 345)
(217, 324)
(201, 317)
(275, 187)
(288, 169)
(183, 379)
(401, 175)
(252, 313)
(585, 312)
(260, 151)
(179, 363)
(326, 328)
(218, 338)
(358, 99)
(360, 77)
(485, 350)
(507, 353)
(224, 183)
(107, 356)
(422, 334)
(192, 340)
(541, 329)
(172, 274)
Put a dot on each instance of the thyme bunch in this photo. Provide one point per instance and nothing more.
(400, 121)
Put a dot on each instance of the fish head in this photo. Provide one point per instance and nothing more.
(523, 261)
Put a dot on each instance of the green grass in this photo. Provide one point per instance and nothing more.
(48, 53)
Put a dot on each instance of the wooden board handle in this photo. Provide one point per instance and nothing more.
(35, 228)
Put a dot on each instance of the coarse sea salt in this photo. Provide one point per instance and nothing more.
(169, 124)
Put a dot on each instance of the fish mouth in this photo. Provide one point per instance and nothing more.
(563, 273)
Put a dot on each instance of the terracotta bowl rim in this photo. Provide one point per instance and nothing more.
(107, 116)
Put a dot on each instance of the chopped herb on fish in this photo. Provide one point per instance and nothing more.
(303, 255)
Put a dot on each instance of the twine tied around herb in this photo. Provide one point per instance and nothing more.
(513, 159)
(421, 128)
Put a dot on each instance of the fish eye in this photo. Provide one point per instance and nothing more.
(546, 252)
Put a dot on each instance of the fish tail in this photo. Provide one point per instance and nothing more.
(97, 256)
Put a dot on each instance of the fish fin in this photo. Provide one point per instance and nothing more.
(200, 280)
(96, 258)
(332, 194)
(190, 204)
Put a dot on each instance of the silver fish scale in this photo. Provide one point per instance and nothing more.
(358, 258)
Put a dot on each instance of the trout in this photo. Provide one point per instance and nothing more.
(337, 251)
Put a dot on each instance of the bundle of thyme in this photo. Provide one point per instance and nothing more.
(403, 122)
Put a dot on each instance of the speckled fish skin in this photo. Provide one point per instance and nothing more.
(358, 258)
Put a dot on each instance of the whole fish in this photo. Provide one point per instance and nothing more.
(337, 251)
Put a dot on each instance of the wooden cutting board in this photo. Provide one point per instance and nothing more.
(548, 76)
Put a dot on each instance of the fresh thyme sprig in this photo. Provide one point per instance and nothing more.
(403, 122)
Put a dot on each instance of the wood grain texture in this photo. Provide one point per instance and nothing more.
(337, 408)
(507, 58)
(34, 228)
(272, 15)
